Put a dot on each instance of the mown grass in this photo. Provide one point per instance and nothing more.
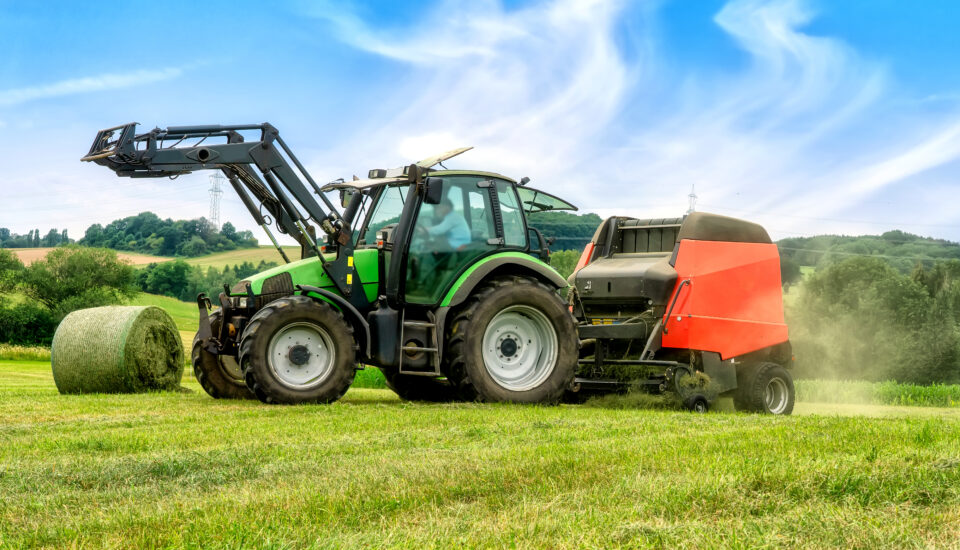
(184, 470)
(880, 393)
(252, 255)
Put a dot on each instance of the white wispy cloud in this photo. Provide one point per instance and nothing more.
(804, 133)
(16, 96)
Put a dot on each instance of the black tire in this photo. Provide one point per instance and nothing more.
(464, 363)
(764, 388)
(286, 313)
(419, 388)
(214, 377)
(697, 403)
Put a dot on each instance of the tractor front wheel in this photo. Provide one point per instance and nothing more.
(218, 375)
(514, 341)
(297, 350)
(764, 388)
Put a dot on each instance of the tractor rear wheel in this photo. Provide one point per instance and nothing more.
(218, 375)
(419, 388)
(298, 350)
(764, 388)
(514, 340)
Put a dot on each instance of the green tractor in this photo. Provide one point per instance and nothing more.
(432, 275)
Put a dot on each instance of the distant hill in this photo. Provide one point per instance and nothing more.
(571, 231)
(900, 249)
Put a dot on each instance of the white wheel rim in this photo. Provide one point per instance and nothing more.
(301, 355)
(775, 395)
(519, 348)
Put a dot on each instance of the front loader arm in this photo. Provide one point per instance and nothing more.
(260, 167)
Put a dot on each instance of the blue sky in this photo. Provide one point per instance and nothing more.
(807, 116)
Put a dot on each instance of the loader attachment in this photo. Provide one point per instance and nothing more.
(263, 170)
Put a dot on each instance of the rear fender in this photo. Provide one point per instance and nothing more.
(508, 263)
(500, 265)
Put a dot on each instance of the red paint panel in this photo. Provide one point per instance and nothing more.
(734, 302)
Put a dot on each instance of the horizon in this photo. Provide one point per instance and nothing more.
(845, 107)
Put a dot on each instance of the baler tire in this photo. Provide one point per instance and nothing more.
(419, 388)
(741, 395)
(697, 403)
(755, 381)
(283, 313)
(210, 373)
(464, 362)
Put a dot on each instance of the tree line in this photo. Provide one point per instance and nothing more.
(568, 231)
(145, 233)
(180, 280)
(33, 239)
(148, 234)
(901, 250)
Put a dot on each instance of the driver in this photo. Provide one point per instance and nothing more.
(450, 224)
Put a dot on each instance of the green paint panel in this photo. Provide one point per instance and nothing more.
(459, 282)
(310, 272)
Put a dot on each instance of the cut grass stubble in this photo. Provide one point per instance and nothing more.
(170, 470)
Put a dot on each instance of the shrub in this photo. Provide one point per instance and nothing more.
(26, 323)
(862, 319)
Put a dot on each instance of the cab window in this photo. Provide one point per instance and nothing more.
(514, 232)
(448, 237)
(385, 212)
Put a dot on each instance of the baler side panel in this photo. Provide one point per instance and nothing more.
(734, 302)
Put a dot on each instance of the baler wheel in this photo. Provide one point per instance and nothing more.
(697, 403)
(514, 340)
(218, 375)
(764, 388)
(419, 388)
(298, 350)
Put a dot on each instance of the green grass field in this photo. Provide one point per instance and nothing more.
(184, 470)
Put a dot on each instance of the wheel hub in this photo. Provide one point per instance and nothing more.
(776, 396)
(299, 354)
(508, 347)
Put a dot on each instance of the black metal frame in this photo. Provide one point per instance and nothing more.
(278, 187)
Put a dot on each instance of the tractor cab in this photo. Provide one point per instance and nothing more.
(430, 234)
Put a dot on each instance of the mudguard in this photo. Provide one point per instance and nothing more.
(512, 263)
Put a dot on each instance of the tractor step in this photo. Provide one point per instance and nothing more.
(431, 346)
(417, 348)
(419, 324)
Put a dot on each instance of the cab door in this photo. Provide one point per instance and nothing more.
(448, 237)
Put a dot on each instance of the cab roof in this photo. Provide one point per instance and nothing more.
(534, 199)
(362, 184)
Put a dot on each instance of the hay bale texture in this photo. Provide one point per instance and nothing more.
(117, 349)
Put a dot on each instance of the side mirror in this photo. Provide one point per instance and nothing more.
(434, 190)
(345, 196)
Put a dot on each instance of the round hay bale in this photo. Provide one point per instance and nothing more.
(117, 349)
